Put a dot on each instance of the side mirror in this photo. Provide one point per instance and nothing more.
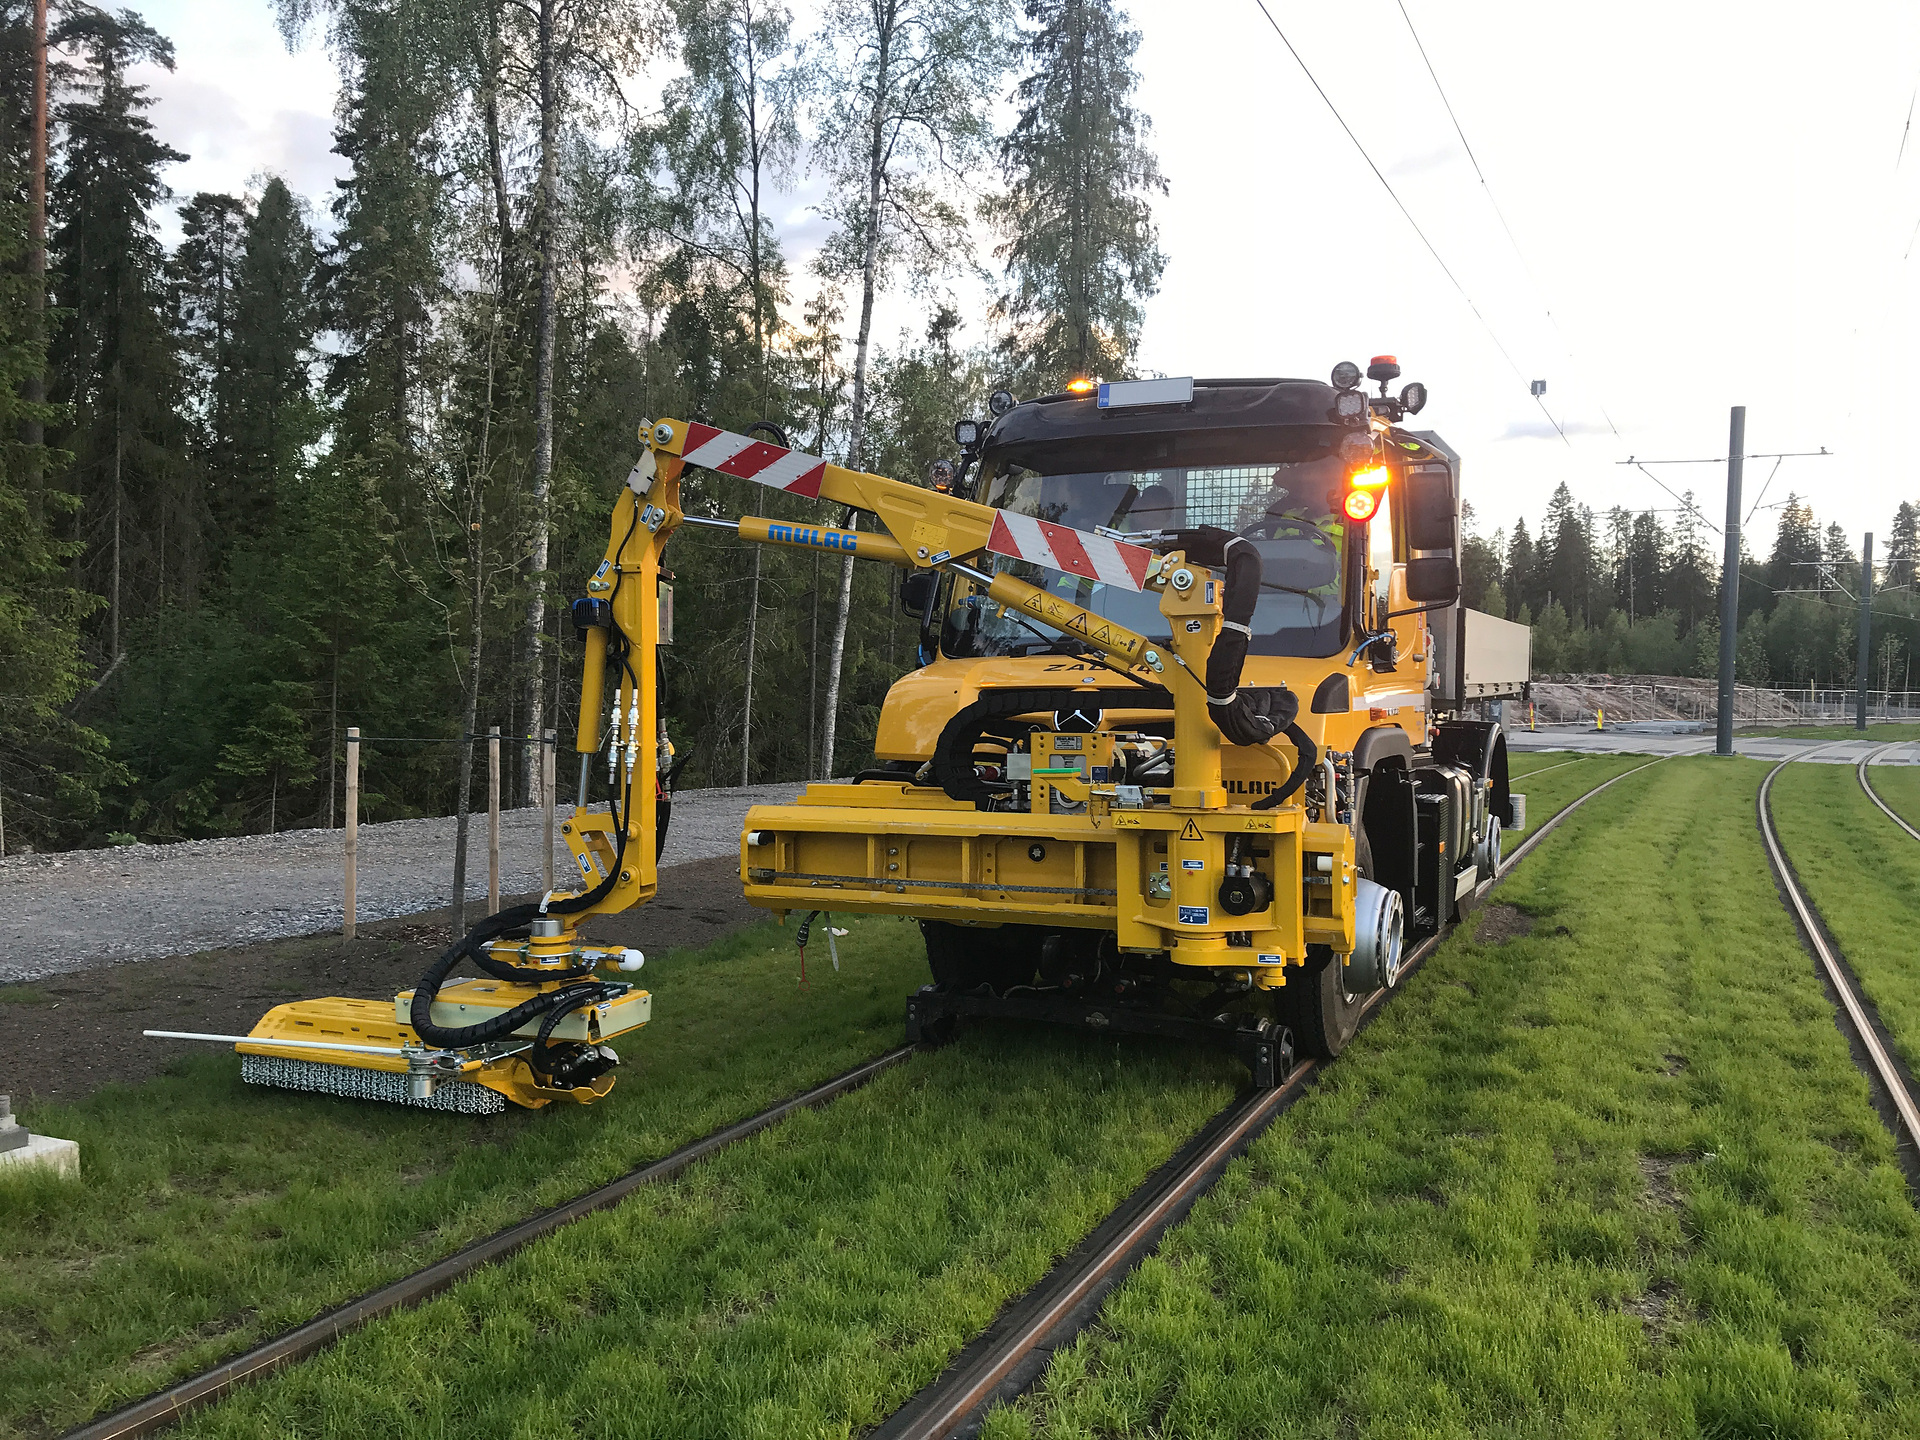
(1433, 579)
(916, 591)
(1430, 508)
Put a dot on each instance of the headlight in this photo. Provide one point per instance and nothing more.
(1349, 404)
(1414, 398)
(1346, 375)
(1001, 401)
(966, 433)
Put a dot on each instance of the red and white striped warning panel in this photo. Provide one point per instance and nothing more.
(1113, 562)
(1021, 537)
(755, 460)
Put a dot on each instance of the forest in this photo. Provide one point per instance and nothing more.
(312, 470)
(318, 467)
(1631, 593)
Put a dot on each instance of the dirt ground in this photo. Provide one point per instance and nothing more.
(64, 1037)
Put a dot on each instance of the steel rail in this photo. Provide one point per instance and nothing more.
(1839, 975)
(1064, 1301)
(167, 1407)
(1860, 771)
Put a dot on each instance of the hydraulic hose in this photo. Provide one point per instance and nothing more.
(1307, 753)
(1245, 717)
(472, 945)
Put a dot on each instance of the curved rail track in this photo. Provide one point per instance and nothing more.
(1860, 771)
(1887, 1074)
(1008, 1354)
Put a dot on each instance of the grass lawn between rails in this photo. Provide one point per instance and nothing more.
(1614, 1176)
(1863, 874)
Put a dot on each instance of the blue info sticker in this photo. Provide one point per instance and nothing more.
(1193, 864)
(1193, 914)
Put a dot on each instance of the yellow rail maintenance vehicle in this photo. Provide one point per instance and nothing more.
(1176, 762)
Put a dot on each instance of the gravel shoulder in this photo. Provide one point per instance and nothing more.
(87, 908)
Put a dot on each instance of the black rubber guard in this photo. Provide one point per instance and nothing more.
(1251, 716)
(953, 768)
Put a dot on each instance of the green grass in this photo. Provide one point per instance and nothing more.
(1882, 731)
(1863, 875)
(212, 1214)
(1548, 790)
(1617, 1177)
(24, 995)
(1899, 786)
(803, 1283)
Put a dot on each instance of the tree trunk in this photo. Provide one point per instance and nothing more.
(545, 208)
(857, 444)
(476, 642)
(113, 612)
(746, 723)
(36, 384)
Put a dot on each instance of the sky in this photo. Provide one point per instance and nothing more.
(1705, 205)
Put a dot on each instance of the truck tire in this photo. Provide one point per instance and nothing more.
(963, 958)
(1316, 1007)
(1314, 1004)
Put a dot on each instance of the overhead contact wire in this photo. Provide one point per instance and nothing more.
(1379, 175)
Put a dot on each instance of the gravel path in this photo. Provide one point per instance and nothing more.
(73, 911)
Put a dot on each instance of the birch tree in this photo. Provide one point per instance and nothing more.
(904, 88)
(729, 132)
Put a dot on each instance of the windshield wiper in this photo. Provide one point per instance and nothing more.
(1290, 589)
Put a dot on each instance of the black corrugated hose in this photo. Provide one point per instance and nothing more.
(516, 920)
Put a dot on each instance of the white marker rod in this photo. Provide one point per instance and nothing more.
(273, 1040)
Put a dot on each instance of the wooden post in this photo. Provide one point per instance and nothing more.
(547, 762)
(353, 826)
(493, 819)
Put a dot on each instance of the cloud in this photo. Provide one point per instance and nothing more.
(1542, 429)
(1420, 164)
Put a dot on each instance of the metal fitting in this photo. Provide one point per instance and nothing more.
(1487, 854)
(663, 434)
(1379, 927)
(1181, 579)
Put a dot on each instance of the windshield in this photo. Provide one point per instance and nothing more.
(1288, 508)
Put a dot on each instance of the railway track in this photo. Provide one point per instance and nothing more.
(1893, 1089)
(1011, 1354)
(1008, 1354)
(165, 1408)
(1860, 772)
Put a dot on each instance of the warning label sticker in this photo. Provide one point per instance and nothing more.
(1191, 831)
(1193, 914)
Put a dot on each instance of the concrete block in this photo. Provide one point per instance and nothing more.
(60, 1156)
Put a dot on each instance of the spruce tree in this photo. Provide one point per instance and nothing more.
(275, 320)
(201, 273)
(113, 365)
(1903, 546)
(1081, 251)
